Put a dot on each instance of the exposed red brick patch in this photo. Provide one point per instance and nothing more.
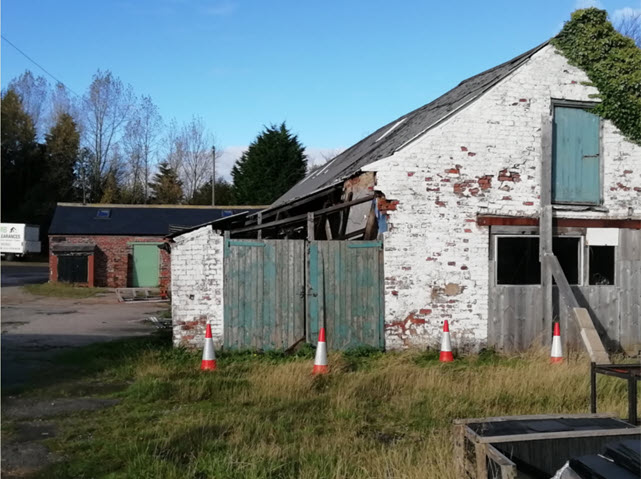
(507, 198)
(627, 172)
(485, 182)
(505, 175)
(467, 230)
(451, 263)
(463, 148)
(528, 203)
(471, 154)
(522, 100)
(464, 268)
(623, 187)
(425, 311)
(385, 205)
(410, 173)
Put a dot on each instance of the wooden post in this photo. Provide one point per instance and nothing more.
(593, 387)
(545, 227)
(310, 226)
(259, 221)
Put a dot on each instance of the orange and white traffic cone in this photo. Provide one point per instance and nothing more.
(320, 361)
(209, 353)
(556, 356)
(446, 355)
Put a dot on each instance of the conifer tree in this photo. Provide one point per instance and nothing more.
(166, 188)
(274, 162)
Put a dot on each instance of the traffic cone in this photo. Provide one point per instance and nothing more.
(556, 355)
(209, 354)
(320, 361)
(446, 355)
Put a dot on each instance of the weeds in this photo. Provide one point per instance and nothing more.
(263, 415)
(62, 290)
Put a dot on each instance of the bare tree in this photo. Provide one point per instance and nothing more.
(33, 92)
(197, 155)
(628, 23)
(107, 106)
(61, 102)
(140, 144)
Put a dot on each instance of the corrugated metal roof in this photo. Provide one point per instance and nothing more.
(138, 220)
(396, 134)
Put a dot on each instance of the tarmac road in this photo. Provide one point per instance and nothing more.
(36, 328)
(17, 274)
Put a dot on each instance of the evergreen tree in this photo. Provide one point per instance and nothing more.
(111, 188)
(224, 194)
(63, 150)
(274, 162)
(22, 165)
(166, 188)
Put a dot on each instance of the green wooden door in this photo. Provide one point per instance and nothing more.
(345, 293)
(145, 267)
(575, 163)
(264, 294)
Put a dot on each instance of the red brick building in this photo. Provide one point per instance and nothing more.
(119, 246)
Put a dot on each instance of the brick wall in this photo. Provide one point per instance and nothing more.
(197, 287)
(485, 159)
(113, 259)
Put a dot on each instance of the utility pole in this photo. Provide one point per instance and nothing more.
(213, 174)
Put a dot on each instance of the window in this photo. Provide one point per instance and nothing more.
(517, 259)
(568, 252)
(601, 265)
(103, 214)
(575, 157)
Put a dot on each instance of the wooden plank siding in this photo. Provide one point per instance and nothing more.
(516, 320)
(346, 293)
(263, 301)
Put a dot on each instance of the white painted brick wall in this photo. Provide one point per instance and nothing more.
(197, 287)
(438, 182)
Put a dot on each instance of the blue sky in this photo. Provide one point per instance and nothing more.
(333, 70)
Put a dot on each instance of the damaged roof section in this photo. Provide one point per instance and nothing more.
(396, 134)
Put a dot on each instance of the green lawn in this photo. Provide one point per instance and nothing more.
(264, 416)
(62, 290)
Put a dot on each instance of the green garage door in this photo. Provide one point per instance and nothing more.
(145, 270)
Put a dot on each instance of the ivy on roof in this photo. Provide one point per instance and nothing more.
(613, 64)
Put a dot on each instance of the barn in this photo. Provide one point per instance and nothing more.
(119, 246)
(502, 206)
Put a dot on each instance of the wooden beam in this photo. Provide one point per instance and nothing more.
(302, 218)
(310, 226)
(371, 227)
(489, 220)
(259, 221)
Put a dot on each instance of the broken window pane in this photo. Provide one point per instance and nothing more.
(517, 260)
(601, 265)
(568, 252)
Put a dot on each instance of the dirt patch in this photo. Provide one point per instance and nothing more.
(22, 459)
(33, 431)
(32, 409)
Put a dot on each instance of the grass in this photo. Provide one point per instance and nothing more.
(265, 416)
(62, 290)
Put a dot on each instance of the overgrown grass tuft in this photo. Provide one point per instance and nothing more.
(62, 290)
(266, 416)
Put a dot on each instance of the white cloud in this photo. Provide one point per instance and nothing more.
(579, 4)
(226, 160)
(626, 12)
(219, 9)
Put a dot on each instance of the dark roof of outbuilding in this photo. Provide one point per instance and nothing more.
(138, 220)
(396, 134)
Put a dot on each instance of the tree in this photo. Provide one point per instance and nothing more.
(140, 141)
(33, 92)
(166, 188)
(628, 23)
(62, 151)
(20, 156)
(107, 107)
(189, 154)
(223, 191)
(274, 162)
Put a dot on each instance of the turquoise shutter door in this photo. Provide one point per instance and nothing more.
(575, 162)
